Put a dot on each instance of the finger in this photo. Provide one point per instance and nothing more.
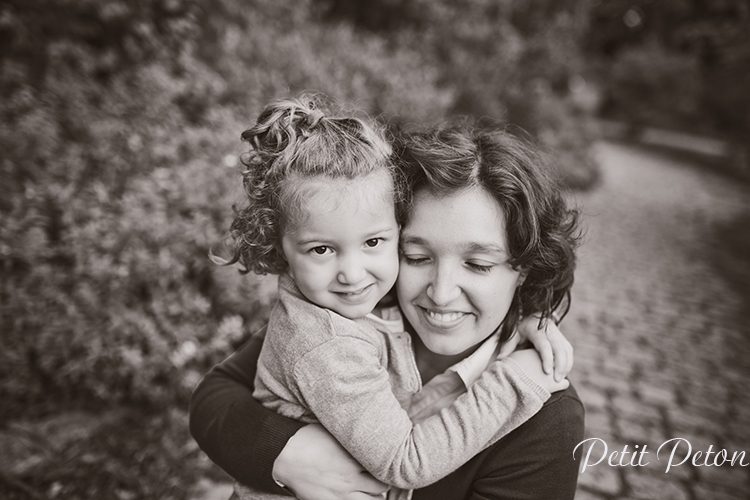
(560, 357)
(358, 495)
(509, 346)
(544, 346)
(571, 358)
(369, 496)
(563, 357)
(366, 483)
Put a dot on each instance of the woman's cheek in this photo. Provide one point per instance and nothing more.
(411, 279)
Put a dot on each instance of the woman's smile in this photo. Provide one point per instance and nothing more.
(442, 319)
(455, 286)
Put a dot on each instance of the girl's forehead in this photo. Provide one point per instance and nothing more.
(322, 194)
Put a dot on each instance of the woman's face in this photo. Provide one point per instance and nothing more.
(455, 285)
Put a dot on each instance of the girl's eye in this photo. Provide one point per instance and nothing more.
(321, 250)
(373, 242)
(480, 267)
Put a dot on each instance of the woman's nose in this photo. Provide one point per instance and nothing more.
(443, 288)
(351, 270)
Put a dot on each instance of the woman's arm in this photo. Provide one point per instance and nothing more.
(233, 429)
(254, 445)
(534, 462)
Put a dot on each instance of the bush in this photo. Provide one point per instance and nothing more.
(652, 85)
(119, 147)
(115, 190)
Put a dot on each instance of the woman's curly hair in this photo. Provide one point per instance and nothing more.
(542, 230)
(295, 139)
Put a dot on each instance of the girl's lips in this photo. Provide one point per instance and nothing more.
(356, 296)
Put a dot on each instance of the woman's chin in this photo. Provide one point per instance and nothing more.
(448, 349)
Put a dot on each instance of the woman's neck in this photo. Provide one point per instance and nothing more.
(431, 364)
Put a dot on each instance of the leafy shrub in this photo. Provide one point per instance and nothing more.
(119, 154)
(652, 85)
(117, 190)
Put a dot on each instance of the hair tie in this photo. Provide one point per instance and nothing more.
(314, 117)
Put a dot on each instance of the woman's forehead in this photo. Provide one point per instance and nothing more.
(470, 219)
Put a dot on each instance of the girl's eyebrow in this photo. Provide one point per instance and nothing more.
(382, 231)
(324, 241)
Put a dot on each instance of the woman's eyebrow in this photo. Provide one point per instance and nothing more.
(475, 247)
(412, 240)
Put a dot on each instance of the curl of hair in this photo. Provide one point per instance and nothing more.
(542, 231)
(294, 139)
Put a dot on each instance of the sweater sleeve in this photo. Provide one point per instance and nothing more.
(344, 384)
(534, 462)
(232, 428)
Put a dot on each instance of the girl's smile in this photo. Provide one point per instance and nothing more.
(343, 253)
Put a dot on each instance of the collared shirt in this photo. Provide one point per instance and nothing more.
(316, 365)
(443, 389)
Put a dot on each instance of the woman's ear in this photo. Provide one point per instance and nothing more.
(521, 278)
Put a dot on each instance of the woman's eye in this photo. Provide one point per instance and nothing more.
(373, 242)
(414, 260)
(321, 250)
(482, 268)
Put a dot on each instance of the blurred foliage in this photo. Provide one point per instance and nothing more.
(677, 63)
(119, 129)
(120, 123)
(78, 455)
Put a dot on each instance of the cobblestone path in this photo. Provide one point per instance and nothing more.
(662, 344)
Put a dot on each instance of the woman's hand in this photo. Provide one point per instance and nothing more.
(314, 466)
(531, 363)
(550, 343)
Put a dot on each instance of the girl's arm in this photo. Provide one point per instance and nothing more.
(554, 349)
(344, 384)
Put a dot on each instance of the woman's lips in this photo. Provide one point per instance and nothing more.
(442, 319)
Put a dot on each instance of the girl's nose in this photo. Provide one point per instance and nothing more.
(351, 271)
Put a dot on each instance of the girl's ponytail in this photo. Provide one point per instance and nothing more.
(279, 128)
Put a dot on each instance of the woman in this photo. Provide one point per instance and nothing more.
(487, 239)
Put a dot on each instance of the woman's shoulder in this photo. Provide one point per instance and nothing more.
(566, 401)
(564, 410)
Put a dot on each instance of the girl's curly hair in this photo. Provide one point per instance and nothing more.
(295, 139)
(542, 231)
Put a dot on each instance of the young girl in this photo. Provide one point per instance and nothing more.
(322, 215)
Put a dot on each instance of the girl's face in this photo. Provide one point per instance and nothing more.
(455, 285)
(343, 255)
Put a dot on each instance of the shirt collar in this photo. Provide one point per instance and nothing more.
(471, 367)
(390, 318)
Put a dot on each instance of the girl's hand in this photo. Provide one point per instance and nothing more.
(531, 364)
(314, 466)
(550, 343)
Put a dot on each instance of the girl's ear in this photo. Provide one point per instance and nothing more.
(280, 251)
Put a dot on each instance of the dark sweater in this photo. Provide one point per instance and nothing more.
(535, 461)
